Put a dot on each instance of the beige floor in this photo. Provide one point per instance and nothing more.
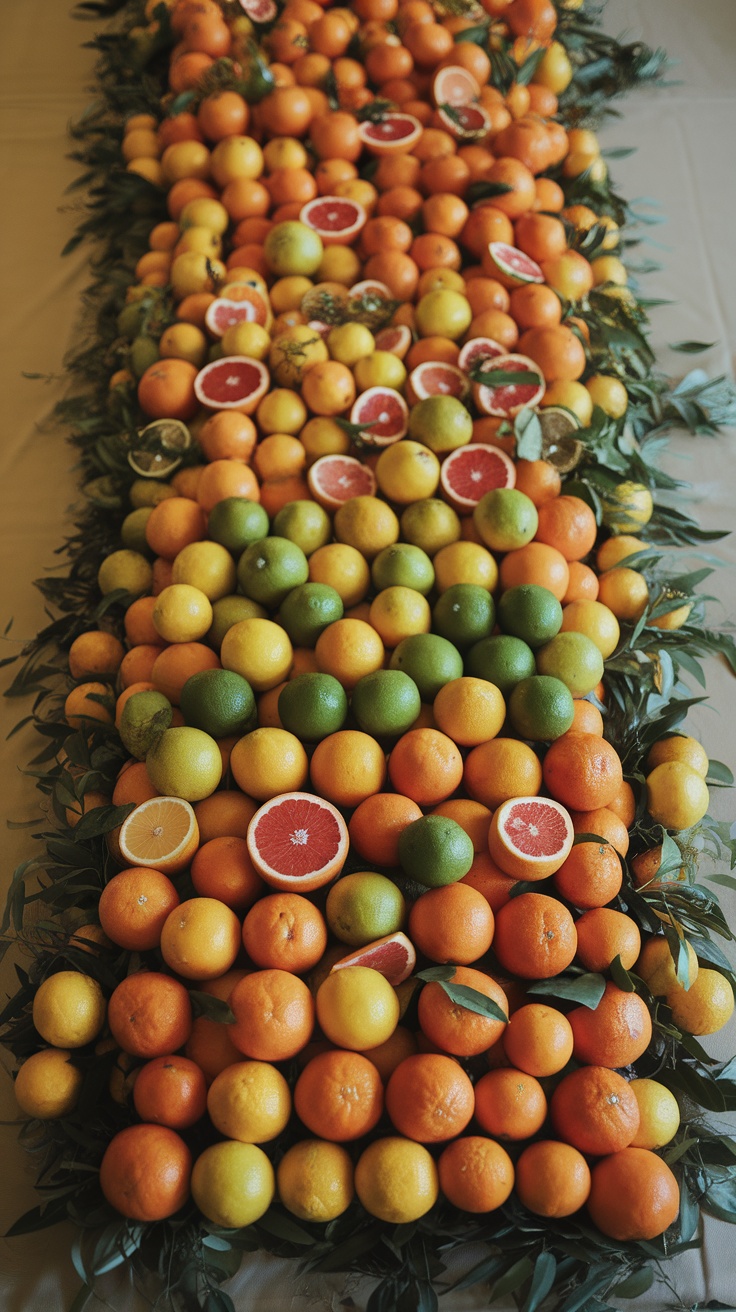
(686, 162)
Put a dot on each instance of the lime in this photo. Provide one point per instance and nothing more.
(502, 660)
(505, 519)
(269, 569)
(143, 352)
(228, 611)
(442, 423)
(219, 701)
(311, 706)
(307, 610)
(430, 524)
(236, 522)
(386, 703)
(125, 569)
(435, 851)
(363, 907)
(305, 523)
(530, 612)
(573, 658)
(185, 762)
(403, 565)
(144, 717)
(464, 614)
(541, 708)
(428, 659)
(133, 530)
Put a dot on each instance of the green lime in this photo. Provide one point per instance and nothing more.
(185, 762)
(227, 611)
(386, 703)
(404, 566)
(305, 523)
(363, 907)
(541, 708)
(502, 660)
(440, 422)
(311, 706)
(430, 524)
(236, 522)
(219, 701)
(144, 717)
(143, 352)
(464, 614)
(133, 530)
(428, 659)
(130, 319)
(308, 610)
(435, 851)
(573, 658)
(269, 569)
(125, 569)
(531, 613)
(505, 519)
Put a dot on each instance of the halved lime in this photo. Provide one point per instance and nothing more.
(559, 446)
(165, 441)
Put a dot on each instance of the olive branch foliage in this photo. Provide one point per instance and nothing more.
(652, 681)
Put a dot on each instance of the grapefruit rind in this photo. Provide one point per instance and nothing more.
(395, 339)
(242, 399)
(524, 823)
(479, 348)
(393, 956)
(465, 122)
(436, 378)
(291, 831)
(358, 480)
(477, 455)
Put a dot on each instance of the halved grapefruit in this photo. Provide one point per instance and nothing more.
(391, 132)
(471, 471)
(236, 382)
(465, 122)
(436, 378)
(383, 413)
(454, 85)
(333, 480)
(224, 312)
(253, 290)
(160, 834)
(393, 956)
(260, 11)
(319, 326)
(511, 266)
(297, 841)
(396, 339)
(530, 837)
(164, 441)
(477, 349)
(337, 219)
(503, 390)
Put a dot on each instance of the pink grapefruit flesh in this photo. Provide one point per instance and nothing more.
(333, 480)
(393, 956)
(391, 132)
(512, 266)
(471, 471)
(236, 382)
(337, 219)
(297, 841)
(502, 396)
(384, 413)
(436, 378)
(530, 837)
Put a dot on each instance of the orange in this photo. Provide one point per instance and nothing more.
(228, 435)
(348, 649)
(222, 868)
(583, 585)
(171, 1091)
(173, 524)
(145, 1172)
(166, 390)
(339, 1095)
(537, 479)
(595, 1110)
(347, 767)
(96, 654)
(557, 350)
(538, 1040)
(471, 711)
(274, 1015)
(444, 213)
(267, 762)
(223, 114)
(590, 876)
(225, 478)
(476, 1174)
(623, 803)
(426, 766)
(451, 1027)
(285, 931)
(200, 938)
(150, 1014)
(133, 785)
(139, 626)
(603, 935)
(567, 523)
(587, 719)
(209, 1044)
(521, 194)
(569, 274)
(552, 1179)
(510, 1104)
(336, 136)
(536, 563)
(377, 824)
(634, 1195)
(582, 771)
(133, 908)
(603, 822)
(485, 224)
(617, 1033)
(81, 707)
(485, 876)
(398, 271)
(498, 326)
(429, 1098)
(535, 936)
(500, 769)
(454, 923)
(402, 202)
(177, 663)
(137, 663)
(161, 833)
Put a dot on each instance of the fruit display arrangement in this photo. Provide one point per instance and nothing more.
(377, 919)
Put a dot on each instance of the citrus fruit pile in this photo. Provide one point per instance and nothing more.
(366, 927)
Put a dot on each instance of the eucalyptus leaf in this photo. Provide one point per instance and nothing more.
(586, 989)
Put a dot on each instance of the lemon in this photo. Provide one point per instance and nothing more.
(616, 550)
(609, 393)
(228, 611)
(350, 342)
(343, 568)
(627, 507)
(379, 369)
(315, 1180)
(133, 530)
(656, 966)
(443, 313)
(186, 763)
(679, 747)
(677, 796)
(125, 569)
(659, 1114)
(233, 1183)
(366, 523)
(259, 650)
(147, 492)
(441, 423)
(705, 1007)
(398, 613)
(435, 851)
(47, 1085)
(246, 339)
(69, 1009)
(292, 247)
(282, 410)
(430, 524)
(407, 471)
(363, 907)
(596, 621)
(249, 1101)
(207, 566)
(357, 1008)
(182, 613)
(396, 1180)
(269, 761)
(236, 522)
(465, 562)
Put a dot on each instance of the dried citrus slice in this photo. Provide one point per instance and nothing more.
(436, 378)
(385, 414)
(297, 841)
(454, 85)
(171, 436)
(471, 471)
(335, 479)
(530, 837)
(393, 956)
(511, 266)
(391, 132)
(235, 382)
(337, 219)
(161, 834)
(505, 391)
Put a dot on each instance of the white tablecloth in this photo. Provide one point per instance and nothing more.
(686, 162)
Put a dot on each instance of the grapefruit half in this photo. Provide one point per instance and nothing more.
(511, 266)
(471, 471)
(337, 219)
(453, 85)
(335, 479)
(235, 382)
(505, 390)
(436, 378)
(297, 841)
(393, 956)
(391, 132)
(384, 413)
(530, 837)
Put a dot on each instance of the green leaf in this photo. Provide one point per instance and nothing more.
(528, 433)
(543, 1278)
(692, 348)
(474, 1001)
(513, 1279)
(283, 1227)
(204, 1004)
(587, 989)
(718, 773)
(636, 1284)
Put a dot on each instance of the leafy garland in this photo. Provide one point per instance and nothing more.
(568, 1261)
